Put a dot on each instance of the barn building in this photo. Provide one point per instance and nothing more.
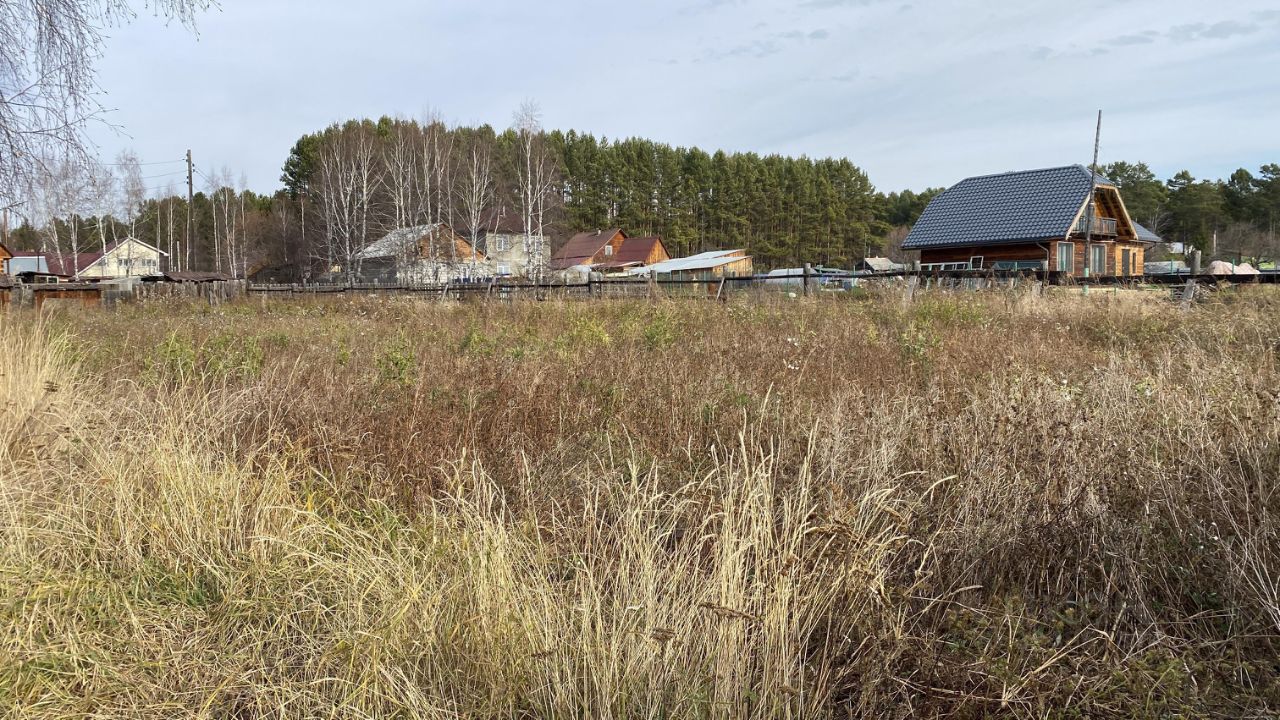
(708, 265)
(1032, 219)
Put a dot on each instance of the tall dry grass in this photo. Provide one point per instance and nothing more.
(963, 506)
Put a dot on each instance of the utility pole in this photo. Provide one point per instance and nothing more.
(191, 198)
(1093, 198)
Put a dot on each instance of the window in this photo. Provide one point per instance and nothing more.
(1066, 257)
(1097, 260)
(608, 251)
(504, 269)
(975, 262)
(502, 244)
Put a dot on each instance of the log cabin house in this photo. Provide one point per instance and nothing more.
(609, 250)
(5, 256)
(1031, 220)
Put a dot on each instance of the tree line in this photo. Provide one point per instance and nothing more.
(1235, 218)
(351, 183)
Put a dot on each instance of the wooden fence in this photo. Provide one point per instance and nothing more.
(216, 292)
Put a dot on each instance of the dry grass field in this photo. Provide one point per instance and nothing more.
(968, 505)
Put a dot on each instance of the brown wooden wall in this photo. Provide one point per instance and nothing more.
(657, 254)
(1137, 257)
(1026, 252)
(90, 297)
(615, 242)
(989, 253)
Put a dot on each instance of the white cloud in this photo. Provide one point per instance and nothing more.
(918, 94)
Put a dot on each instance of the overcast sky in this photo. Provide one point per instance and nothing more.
(918, 93)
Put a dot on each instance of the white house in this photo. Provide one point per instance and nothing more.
(127, 258)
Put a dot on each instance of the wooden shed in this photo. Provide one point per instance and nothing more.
(708, 265)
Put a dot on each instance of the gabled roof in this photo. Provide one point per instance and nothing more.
(68, 264)
(415, 243)
(1011, 207)
(582, 247)
(638, 250)
(881, 264)
(498, 221)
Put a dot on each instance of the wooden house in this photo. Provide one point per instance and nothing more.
(609, 250)
(5, 256)
(127, 258)
(1032, 219)
(424, 254)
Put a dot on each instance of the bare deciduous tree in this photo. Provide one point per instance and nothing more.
(47, 90)
(62, 194)
(475, 188)
(401, 157)
(535, 173)
(349, 174)
(1249, 243)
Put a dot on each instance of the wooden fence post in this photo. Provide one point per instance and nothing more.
(808, 270)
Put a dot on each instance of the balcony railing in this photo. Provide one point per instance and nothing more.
(1103, 227)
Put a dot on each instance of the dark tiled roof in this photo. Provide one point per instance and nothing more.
(1006, 208)
(581, 248)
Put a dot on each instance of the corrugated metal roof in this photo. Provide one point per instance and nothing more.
(1006, 208)
(881, 264)
(24, 261)
(701, 261)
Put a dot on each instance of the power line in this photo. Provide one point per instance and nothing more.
(162, 162)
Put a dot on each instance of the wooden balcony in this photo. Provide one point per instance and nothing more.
(1102, 227)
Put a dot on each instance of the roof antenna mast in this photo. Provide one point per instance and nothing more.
(1093, 190)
